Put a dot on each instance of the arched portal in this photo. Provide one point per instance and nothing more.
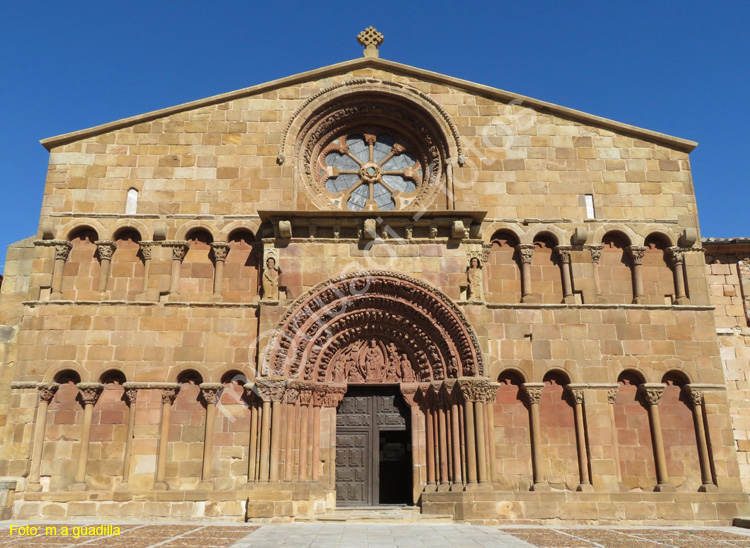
(373, 327)
(407, 365)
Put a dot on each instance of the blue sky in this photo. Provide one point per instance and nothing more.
(676, 67)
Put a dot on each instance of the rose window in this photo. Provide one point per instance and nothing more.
(364, 171)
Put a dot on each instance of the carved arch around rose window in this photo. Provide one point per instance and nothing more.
(367, 144)
(373, 327)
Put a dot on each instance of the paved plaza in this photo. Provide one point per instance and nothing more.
(380, 535)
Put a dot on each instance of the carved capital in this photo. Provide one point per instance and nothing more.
(636, 253)
(695, 395)
(651, 392)
(168, 394)
(334, 393)
(596, 252)
(563, 251)
(533, 392)
(105, 249)
(62, 249)
(291, 395)
(132, 395)
(90, 391)
(47, 391)
(525, 252)
(575, 392)
(179, 249)
(210, 392)
(612, 394)
(675, 256)
(146, 249)
(271, 388)
(409, 392)
(220, 249)
(478, 389)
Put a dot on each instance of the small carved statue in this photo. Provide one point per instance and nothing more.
(407, 372)
(373, 360)
(271, 280)
(392, 374)
(475, 281)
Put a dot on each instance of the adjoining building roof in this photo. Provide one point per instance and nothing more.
(392, 66)
(726, 241)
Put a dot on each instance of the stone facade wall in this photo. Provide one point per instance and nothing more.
(169, 296)
(728, 277)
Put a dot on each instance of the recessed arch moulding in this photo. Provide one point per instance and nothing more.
(365, 106)
(373, 327)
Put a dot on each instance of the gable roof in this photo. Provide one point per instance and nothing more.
(392, 66)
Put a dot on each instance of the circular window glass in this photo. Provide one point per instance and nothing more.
(368, 171)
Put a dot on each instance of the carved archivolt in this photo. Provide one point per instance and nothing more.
(373, 327)
(370, 107)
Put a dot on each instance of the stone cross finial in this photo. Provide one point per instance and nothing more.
(371, 40)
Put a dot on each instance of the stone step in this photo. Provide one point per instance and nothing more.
(377, 514)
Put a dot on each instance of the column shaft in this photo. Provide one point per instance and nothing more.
(132, 397)
(481, 442)
(430, 449)
(456, 444)
(265, 440)
(304, 443)
(289, 454)
(83, 455)
(251, 460)
(443, 444)
(208, 441)
(316, 444)
(536, 444)
(471, 444)
(583, 459)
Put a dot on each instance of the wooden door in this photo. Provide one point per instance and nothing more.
(364, 413)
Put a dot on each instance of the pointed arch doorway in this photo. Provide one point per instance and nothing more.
(373, 448)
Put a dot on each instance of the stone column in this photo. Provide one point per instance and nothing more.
(576, 395)
(636, 253)
(409, 392)
(290, 398)
(89, 392)
(696, 398)
(220, 249)
(455, 400)
(46, 393)
(210, 393)
(105, 249)
(652, 394)
(305, 400)
(526, 252)
(146, 254)
(489, 407)
(533, 393)
(676, 257)
(132, 396)
(272, 391)
(427, 403)
(611, 399)
(168, 394)
(62, 251)
(596, 255)
(265, 440)
(252, 401)
(564, 252)
(179, 250)
(442, 437)
(319, 395)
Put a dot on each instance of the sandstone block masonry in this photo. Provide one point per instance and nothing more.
(522, 295)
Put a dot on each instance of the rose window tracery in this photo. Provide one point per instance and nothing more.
(370, 170)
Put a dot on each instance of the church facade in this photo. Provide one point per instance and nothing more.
(364, 285)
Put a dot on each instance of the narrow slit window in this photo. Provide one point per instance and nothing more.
(588, 200)
(131, 204)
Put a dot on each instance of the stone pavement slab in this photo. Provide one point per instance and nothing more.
(364, 535)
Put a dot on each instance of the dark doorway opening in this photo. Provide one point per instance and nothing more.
(373, 448)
